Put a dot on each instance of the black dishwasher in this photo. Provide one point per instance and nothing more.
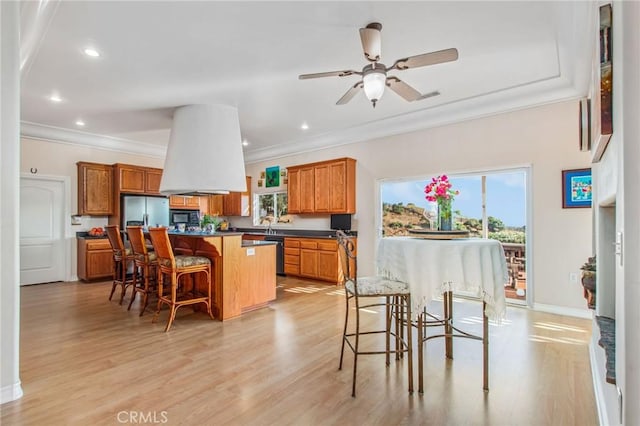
(279, 240)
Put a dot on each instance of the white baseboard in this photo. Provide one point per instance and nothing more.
(10, 393)
(562, 310)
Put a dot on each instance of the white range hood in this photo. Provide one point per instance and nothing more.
(204, 155)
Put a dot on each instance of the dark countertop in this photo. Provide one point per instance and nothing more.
(204, 234)
(86, 236)
(299, 233)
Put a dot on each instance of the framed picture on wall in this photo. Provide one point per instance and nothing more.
(584, 140)
(273, 177)
(576, 188)
(602, 105)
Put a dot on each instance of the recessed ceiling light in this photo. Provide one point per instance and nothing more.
(89, 51)
(245, 143)
(55, 98)
(304, 126)
(79, 123)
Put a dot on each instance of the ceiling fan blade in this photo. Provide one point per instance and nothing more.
(371, 41)
(403, 89)
(425, 59)
(350, 93)
(429, 95)
(329, 74)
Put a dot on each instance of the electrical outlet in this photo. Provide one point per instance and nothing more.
(573, 278)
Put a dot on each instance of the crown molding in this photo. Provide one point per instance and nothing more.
(75, 137)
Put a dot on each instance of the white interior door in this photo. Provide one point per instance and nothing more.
(42, 251)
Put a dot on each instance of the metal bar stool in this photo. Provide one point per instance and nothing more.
(397, 303)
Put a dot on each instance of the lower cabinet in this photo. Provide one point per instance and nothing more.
(313, 258)
(292, 256)
(95, 259)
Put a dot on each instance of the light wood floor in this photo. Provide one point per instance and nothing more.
(87, 361)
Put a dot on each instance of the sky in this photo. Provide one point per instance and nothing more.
(506, 195)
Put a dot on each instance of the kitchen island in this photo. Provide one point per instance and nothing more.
(243, 273)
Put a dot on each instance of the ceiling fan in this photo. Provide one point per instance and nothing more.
(374, 75)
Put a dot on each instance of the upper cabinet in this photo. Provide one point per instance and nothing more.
(137, 180)
(216, 205)
(238, 203)
(324, 187)
(231, 204)
(184, 202)
(95, 189)
(152, 178)
(130, 179)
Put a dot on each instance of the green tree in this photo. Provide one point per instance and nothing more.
(397, 208)
(495, 224)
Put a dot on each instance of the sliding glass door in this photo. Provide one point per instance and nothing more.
(490, 204)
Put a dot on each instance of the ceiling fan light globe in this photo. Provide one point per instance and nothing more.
(374, 83)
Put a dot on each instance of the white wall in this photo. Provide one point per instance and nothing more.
(59, 159)
(617, 177)
(545, 138)
(626, 16)
(10, 388)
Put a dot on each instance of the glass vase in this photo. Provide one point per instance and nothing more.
(445, 221)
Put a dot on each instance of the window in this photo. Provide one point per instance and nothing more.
(271, 208)
(490, 205)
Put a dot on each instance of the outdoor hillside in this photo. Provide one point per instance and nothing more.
(397, 219)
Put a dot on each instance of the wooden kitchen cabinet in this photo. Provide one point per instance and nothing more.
(292, 256)
(184, 202)
(216, 205)
(307, 184)
(333, 193)
(232, 204)
(95, 259)
(328, 261)
(95, 189)
(293, 190)
(132, 179)
(325, 187)
(238, 203)
(315, 258)
(152, 178)
(309, 258)
(129, 179)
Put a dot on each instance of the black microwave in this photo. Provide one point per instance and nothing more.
(188, 217)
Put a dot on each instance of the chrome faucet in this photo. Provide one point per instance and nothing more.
(270, 230)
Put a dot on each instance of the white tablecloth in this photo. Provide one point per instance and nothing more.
(431, 267)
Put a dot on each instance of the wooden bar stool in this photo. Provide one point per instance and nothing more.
(175, 267)
(145, 263)
(122, 257)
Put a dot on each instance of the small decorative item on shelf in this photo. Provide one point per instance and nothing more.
(589, 282)
(439, 191)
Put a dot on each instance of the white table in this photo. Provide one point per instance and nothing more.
(435, 267)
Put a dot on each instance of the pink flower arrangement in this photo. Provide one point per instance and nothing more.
(439, 190)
